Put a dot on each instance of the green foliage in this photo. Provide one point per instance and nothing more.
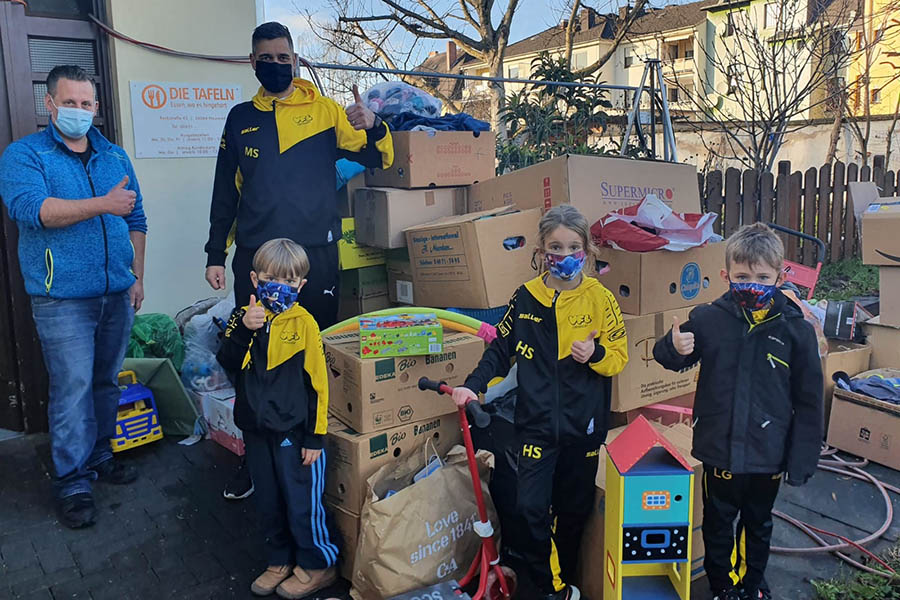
(846, 279)
(860, 585)
(544, 121)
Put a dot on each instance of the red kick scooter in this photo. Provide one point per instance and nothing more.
(494, 582)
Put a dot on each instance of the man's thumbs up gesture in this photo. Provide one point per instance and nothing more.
(255, 317)
(684, 342)
(583, 351)
(359, 114)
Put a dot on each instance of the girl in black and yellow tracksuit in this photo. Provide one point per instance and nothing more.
(282, 408)
(567, 335)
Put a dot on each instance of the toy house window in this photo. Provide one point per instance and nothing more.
(656, 500)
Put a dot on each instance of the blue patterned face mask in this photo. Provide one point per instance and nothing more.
(277, 297)
(565, 266)
(753, 296)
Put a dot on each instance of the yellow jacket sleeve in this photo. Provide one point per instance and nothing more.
(612, 338)
(373, 148)
(316, 379)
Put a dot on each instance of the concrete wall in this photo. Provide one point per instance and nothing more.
(177, 191)
(805, 148)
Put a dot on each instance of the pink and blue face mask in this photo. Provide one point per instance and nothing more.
(277, 297)
(753, 296)
(565, 266)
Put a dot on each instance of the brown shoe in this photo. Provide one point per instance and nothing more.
(266, 583)
(303, 583)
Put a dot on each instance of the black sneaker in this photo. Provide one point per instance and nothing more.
(112, 471)
(77, 511)
(241, 485)
(732, 594)
(570, 592)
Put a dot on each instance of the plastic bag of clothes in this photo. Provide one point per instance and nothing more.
(652, 225)
(156, 336)
(394, 97)
(793, 293)
(202, 337)
(345, 170)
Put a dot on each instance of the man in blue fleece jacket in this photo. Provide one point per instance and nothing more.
(77, 204)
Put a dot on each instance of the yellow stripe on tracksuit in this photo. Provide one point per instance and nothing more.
(739, 557)
(555, 569)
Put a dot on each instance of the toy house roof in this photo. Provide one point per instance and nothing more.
(636, 442)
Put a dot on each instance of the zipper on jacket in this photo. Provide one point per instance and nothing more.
(755, 325)
(48, 260)
(774, 359)
(556, 364)
(105, 238)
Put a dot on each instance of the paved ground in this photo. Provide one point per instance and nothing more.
(171, 535)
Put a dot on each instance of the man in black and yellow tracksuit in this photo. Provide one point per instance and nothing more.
(282, 408)
(275, 173)
(561, 413)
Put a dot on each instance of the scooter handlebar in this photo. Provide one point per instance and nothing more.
(473, 408)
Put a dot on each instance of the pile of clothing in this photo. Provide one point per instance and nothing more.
(407, 108)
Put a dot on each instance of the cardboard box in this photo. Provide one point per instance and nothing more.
(473, 261)
(594, 185)
(347, 524)
(668, 413)
(650, 282)
(593, 551)
(353, 307)
(842, 320)
(848, 357)
(880, 242)
(218, 410)
(644, 381)
(400, 279)
(889, 293)
(885, 342)
(438, 159)
(400, 335)
(345, 195)
(382, 214)
(354, 457)
(374, 395)
(865, 426)
(351, 254)
(366, 282)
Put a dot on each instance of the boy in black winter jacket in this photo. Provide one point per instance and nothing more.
(758, 409)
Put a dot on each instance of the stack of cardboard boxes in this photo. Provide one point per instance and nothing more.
(859, 424)
(377, 412)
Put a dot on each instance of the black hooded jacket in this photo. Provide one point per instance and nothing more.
(759, 405)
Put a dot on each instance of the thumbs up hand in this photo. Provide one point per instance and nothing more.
(120, 201)
(359, 115)
(683, 342)
(255, 317)
(583, 351)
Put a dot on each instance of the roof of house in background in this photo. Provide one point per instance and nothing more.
(437, 63)
(555, 37)
(670, 18)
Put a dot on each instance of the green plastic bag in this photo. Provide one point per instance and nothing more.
(156, 336)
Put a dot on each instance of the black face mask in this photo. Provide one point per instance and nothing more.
(275, 77)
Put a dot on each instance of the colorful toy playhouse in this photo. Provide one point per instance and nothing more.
(649, 498)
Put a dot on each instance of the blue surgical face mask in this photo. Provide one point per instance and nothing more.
(565, 266)
(73, 123)
(277, 297)
(753, 296)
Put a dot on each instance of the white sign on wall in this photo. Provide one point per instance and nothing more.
(173, 120)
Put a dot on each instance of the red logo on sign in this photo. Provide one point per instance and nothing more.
(669, 194)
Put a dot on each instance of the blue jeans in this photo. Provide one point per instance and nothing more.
(84, 342)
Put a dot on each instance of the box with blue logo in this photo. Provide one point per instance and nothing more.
(650, 282)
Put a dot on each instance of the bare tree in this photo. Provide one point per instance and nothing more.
(772, 68)
(468, 23)
(623, 25)
(890, 133)
(874, 33)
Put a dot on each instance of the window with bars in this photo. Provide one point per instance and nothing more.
(68, 9)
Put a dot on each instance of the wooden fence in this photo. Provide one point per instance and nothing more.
(816, 202)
